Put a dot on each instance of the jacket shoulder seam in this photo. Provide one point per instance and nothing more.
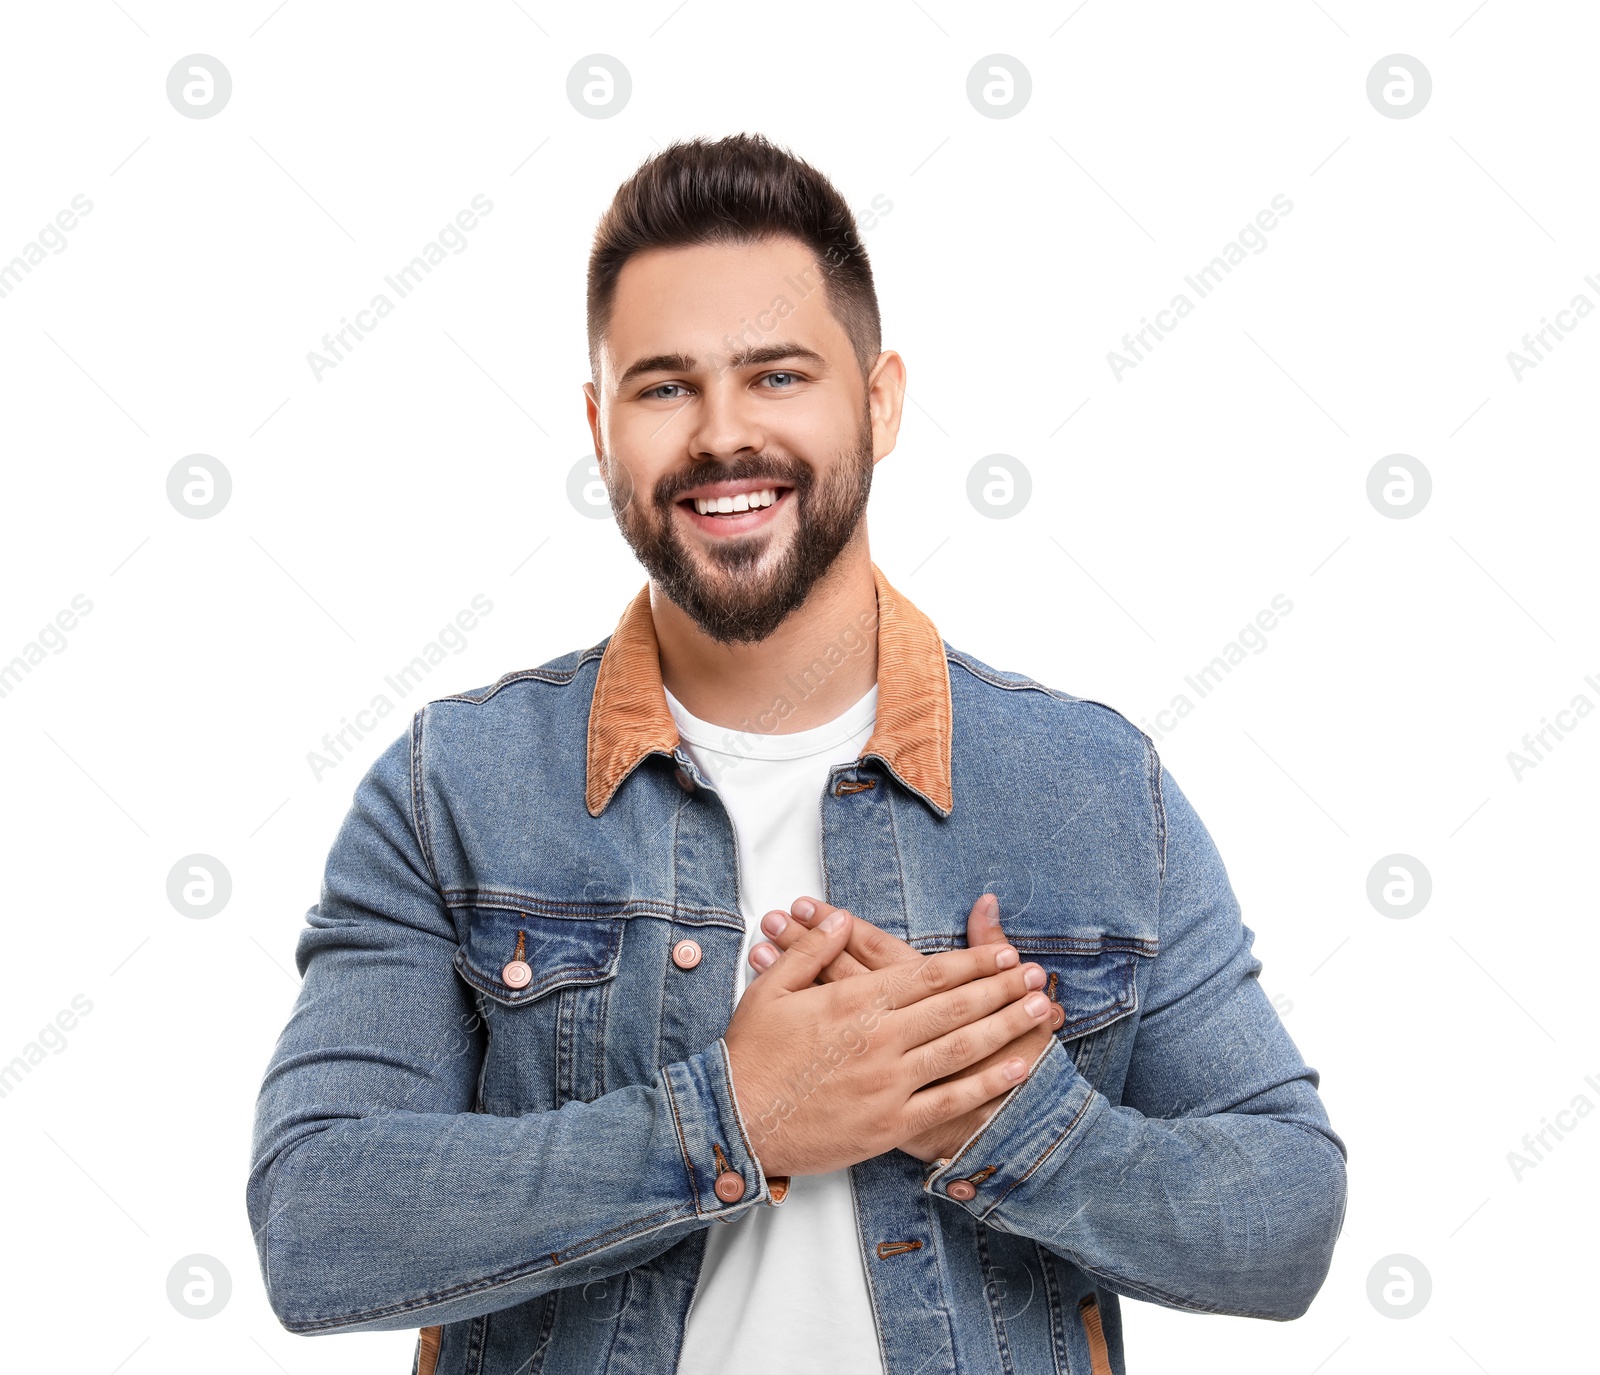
(544, 674)
(1159, 806)
(419, 801)
(1020, 682)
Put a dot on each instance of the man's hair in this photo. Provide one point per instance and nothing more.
(731, 191)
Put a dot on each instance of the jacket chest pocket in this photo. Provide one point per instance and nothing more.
(543, 984)
(1094, 982)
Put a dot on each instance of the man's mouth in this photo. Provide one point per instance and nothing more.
(734, 507)
(742, 501)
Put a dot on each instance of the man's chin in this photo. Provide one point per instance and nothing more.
(731, 604)
(732, 560)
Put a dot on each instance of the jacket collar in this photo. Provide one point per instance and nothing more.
(629, 720)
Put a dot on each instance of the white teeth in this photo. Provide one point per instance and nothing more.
(745, 501)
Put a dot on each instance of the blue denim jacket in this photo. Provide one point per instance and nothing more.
(526, 1173)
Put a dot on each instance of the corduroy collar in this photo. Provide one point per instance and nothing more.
(628, 716)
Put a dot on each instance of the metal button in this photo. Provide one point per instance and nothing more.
(729, 1186)
(686, 954)
(1058, 1016)
(961, 1190)
(517, 974)
(684, 781)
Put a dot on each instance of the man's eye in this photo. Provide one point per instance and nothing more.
(783, 377)
(658, 391)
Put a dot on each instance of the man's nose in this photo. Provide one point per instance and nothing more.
(725, 424)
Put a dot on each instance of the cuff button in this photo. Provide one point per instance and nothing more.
(962, 1190)
(730, 1186)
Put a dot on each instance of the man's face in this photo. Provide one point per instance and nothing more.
(734, 429)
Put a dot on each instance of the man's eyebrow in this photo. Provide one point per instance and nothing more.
(660, 362)
(743, 358)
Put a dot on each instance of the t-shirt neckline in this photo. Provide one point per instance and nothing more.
(729, 740)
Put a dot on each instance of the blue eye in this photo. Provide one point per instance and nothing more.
(656, 391)
(771, 375)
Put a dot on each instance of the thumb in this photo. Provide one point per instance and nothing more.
(800, 964)
(983, 922)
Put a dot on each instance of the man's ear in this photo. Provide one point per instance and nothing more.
(592, 411)
(886, 390)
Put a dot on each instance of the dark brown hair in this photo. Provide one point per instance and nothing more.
(735, 190)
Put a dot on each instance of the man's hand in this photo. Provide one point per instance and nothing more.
(832, 1073)
(869, 948)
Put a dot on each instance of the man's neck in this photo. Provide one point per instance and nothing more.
(818, 663)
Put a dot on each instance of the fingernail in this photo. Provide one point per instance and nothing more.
(834, 920)
(773, 923)
(991, 906)
(1006, 957)
(763, 955)
(1015, 1069)
(1033, 977)
(804, 908)
(1037, 1004)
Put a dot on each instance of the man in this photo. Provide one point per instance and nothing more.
(548, 1095)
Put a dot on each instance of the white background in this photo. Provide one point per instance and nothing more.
(370, 506)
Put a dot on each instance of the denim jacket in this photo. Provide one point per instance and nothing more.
(524, 1162)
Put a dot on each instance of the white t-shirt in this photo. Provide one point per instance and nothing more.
(783, 1289)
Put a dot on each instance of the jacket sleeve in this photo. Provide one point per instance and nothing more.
(377, 1196)
(1217, 1183)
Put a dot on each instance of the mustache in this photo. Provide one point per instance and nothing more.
(788, 472)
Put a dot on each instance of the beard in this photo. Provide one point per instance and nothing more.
(737, 590)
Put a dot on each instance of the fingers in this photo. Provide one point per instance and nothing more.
(875, 948)
(930, 1018)
(938, 1103)
(983, 922)
(868, 948)
(782, 932)
(910, 980)
(966, 1045)
(799, 965)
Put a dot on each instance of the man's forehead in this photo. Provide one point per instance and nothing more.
(719, 305)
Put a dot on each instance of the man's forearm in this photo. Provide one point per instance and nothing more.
(1235, 1212)
(401, 1219)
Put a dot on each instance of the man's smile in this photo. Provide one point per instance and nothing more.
(742, 507)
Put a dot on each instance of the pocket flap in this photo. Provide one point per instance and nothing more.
(1093, 978)
(559, 951)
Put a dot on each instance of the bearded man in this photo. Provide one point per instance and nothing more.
(772, 985)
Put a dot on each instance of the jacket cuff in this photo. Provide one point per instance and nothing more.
(725, 1177)
(1032, 1131)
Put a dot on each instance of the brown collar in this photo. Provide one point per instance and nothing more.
(628, 716)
